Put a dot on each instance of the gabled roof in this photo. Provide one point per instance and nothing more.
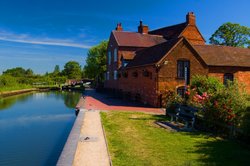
(128, 55)
(153, 54)
(170, 31)
(134, 39)
(214, 55)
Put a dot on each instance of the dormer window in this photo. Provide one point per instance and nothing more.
(124, 63)
(115, 54)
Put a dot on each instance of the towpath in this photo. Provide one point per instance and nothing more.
(92, 147)
(100, 101)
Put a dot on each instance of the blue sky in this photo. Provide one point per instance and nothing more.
(40, 34)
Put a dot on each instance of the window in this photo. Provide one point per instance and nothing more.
(115, 75)
(183, 70)
(125, 74)
(124, 63)
(109, 57)
(135, 74)
(181, 91)
(115, 55)
(107, 75)
(228, 77)
(145, 73)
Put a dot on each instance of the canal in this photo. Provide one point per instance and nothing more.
(34, 127)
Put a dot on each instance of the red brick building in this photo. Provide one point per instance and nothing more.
(144, 64)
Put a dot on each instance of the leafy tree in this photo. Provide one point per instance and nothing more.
(15, 72)
(96, 61)
(230, 34)
(56, 70)
(72, 70)
(29, 72)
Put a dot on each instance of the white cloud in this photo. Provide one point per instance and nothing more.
(26, 38)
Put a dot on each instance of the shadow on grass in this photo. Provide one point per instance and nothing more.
(223, 152)
(216, 151)
(213, 150)
(153, 117)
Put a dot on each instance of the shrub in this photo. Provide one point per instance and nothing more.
(221, 106)
(172, 99)
(246, 122)
(202, 84)
(7, 80)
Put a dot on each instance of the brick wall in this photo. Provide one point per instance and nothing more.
(242, 75)
(125, 51)
(144, 86)
(167, 77)
(192, 34)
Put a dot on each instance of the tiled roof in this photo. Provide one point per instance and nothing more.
(153, 54)
(134, 39)
(224, 55)
(170, 31)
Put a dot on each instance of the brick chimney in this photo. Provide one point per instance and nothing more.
(190, 18)
(143, 29)
(119, 27)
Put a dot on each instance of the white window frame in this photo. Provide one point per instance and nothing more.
(115, 55)
(115, 74)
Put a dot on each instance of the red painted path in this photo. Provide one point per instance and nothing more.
(100, 101)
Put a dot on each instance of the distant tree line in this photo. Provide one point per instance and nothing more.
(20, 78)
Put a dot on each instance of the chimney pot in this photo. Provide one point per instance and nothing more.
(190, 18)
(119, 27)
(143, 29)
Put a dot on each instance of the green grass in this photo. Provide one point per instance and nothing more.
(17, 87)
(134, 139)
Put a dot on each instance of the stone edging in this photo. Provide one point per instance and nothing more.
(68, 154)
(15, 92)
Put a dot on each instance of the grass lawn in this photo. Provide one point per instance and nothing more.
(134, 139)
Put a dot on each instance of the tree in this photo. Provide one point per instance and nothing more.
(72, 70)
(230, 34)
(56, 70)
(18, 72)
(96, 61)
(29, 72)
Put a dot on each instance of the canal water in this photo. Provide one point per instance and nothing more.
(34, 127)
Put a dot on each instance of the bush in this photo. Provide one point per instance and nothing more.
(246, 122)
(7, 80)
(222, 107)
(202, 84)
(172, 100)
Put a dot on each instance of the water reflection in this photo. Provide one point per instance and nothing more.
(7, 102)
(70, 98)
(34, 127)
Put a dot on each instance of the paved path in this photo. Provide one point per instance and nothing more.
(99, 101)
(91, 148)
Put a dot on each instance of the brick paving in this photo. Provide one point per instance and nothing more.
(100, 101)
